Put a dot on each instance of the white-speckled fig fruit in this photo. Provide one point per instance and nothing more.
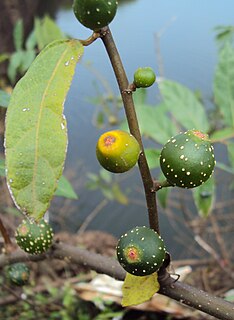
(95, 14)
(117, 151)
(187, 160)
(141, 251)
(34, 237)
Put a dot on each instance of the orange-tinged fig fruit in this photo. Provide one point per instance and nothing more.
(117, 151)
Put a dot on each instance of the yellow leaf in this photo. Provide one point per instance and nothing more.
(137, 289)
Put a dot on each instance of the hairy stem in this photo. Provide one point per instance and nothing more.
(179, 291)
(133, 124)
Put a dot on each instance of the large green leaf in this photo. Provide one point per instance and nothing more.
(152, 156)
(46, 31)
(204, 197)
(36, 135)
(155, 123)
(65, 189)
(222, 134)
(224, 84)
(184, 106)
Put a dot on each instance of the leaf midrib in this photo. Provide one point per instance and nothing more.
(34, 197)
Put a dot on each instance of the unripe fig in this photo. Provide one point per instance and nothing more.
(95, 14)
(117, 151)
(187, 160)
(18, 274)
(144, 77)
(34, 238)
(141, 251)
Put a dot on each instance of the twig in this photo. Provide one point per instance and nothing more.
(214, 254)
(131, 116)
(91, 216)
(179, 291)
(219, 239)
(157, 185)
(157, 38)
(90, 40)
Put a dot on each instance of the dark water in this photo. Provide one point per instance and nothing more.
(188, 53)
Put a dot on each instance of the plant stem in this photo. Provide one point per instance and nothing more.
(131, 116)
(161, 184)
(178, 291)
(90, 40)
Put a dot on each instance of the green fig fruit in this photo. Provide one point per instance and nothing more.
(18, 274)
(144, 77)
(95, 14)
(117, 151)
(141, 251)
(33, 237)
(187, 160)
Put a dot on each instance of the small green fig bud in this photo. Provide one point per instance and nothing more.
(144, 77)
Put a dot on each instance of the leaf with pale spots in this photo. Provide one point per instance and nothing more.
(36, 134)
(137, 289)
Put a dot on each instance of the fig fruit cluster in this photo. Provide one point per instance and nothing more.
(34, 237)
(141, 251)
(187, 159)
(117, 151)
